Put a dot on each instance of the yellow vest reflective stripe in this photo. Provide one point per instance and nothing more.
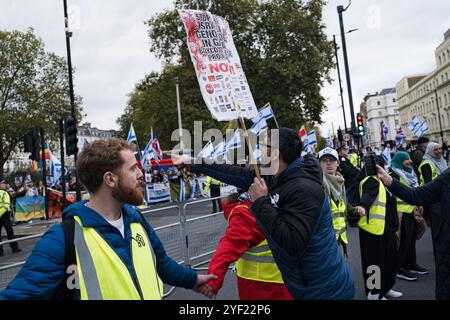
(353, 158)
(5, 202)
(104, 276)
(434, 173)
(402, 206)
(377, 211)
(258, 264)
(338, 215)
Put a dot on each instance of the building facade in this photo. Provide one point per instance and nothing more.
(378, 108)
(428, 96)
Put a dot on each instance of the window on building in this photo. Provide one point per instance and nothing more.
(378, 103)
(380, 113)
(393, 100)
(440, 61)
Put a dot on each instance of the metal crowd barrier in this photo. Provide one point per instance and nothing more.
(176, 238)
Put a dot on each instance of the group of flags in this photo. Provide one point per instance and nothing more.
(309, 139)
(417, 127)
(152, 150)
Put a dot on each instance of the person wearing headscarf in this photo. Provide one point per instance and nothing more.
(432, 166)
(402, 170)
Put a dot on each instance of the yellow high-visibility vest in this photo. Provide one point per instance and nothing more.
(434, 173)
(353, 158)
(104, 276)
(209, 181)
(338, 215)
(377, 211)
(257, 263)
(5, 202)
(403, 206)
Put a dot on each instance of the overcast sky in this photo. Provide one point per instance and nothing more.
(110, 46)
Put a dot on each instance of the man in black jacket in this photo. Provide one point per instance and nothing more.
(293, 212)
(348, 171)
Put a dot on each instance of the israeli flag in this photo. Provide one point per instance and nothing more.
(423, 128)
(219, 150)
(182, 195)
(259, 126)
(235, 141)
(131, 135)
(312, 139)
(257, 153)
(414, 125)
(56, 169)
(207, 151)
(266, 112)
(330, 142)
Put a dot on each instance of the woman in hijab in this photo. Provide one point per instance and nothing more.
(433, 164)
(402, 170)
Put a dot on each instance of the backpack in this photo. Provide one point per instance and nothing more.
(68, 226)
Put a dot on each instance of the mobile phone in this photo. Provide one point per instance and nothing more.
(370, 165)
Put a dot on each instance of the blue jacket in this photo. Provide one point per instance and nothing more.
(44, 271)
(296, 220)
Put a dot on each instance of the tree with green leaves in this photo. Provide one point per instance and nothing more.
(33, 90)
(284, 51)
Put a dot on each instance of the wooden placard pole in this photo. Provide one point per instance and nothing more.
(250, 148)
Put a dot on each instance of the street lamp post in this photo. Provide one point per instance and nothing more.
(71, 94)
(340, 10)
(340, 82)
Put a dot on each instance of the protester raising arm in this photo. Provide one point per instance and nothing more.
(425, 195)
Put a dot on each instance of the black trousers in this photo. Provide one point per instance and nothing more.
(215, 192)
(5, 221)
(379, 251)
(406, 257)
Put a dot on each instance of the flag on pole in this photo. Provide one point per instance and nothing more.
(266, 112)
(259, 126)
(414, 125)
(302, 133)
(85, 143)
(330, 142)
(400, 137)
(56, 169)
(423, 128)
(235, 141)
(387, 156)
(312, 139)
(207, 150)
(257, 153)
(131, 135)
(219, 150)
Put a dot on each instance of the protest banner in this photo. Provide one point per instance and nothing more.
(28, 208)
(158, 192)
(55, 198)
(222, 81)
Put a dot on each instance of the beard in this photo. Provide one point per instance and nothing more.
(133, 196)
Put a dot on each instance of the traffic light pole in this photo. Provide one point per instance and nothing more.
(340, 10)
(63, 173)
(44, 172)
(340, 82)
(72, 96)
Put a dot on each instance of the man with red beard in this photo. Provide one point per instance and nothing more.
(104, 249)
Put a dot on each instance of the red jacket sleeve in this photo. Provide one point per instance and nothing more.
(241, 234)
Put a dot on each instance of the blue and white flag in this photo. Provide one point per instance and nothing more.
(235, 141)
(414, 125)
(207, 151)
(257, 153)
(330, 142)
(56, 169)
(259, 126)
(400, 137)
(266, 112)
(387, 156)
(182, 195)
(131, 135)
(423, 128)
(312, 139)
(85, 143)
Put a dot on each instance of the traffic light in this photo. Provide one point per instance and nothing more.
(340, 136)
(360, 123)
(31, 143)
(70, 132)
